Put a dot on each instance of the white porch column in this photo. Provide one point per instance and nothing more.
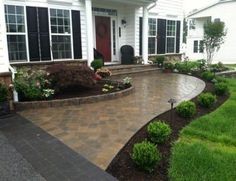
(89, 26)
(145, 35)
(4, 60)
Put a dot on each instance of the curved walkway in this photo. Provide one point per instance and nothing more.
(99, 130)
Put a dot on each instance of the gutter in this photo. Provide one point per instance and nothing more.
(153, 5)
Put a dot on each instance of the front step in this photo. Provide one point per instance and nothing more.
(130, 69)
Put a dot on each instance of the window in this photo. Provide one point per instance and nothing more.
(201, 46)
(152, 33)
(16, 36)
(195, 47)
(61, 33)
(198, 46)
(170, 36)
(114, 36)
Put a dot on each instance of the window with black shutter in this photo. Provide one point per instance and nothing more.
(195, 46)
(178, 37)
(76, 34)
(140, 35)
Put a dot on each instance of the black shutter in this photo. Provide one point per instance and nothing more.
(178, 37)
(33, 33)
(161, 34)
(140, 35)
(77, 34)
(44, 33)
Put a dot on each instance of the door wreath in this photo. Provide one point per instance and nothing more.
(101, 30)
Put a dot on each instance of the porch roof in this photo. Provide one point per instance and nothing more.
(135, 2)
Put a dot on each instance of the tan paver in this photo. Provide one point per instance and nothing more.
(99, 130)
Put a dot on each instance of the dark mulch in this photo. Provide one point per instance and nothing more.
(123, 168)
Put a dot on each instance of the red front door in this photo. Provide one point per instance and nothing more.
(103, 37)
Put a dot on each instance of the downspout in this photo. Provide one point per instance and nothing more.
(15, 94)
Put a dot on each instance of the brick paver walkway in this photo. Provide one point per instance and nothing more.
(99, 130)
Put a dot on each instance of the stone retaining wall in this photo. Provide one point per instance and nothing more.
(20, 106)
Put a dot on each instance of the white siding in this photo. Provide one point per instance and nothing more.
(67, 4)
(226, 53)
(164, 9)
(4, 63)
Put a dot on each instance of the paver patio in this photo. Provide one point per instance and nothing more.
(99, 130)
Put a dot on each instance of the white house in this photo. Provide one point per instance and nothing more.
(61, 30)
(219, 11)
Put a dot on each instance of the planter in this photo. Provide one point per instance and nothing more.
(4, 108)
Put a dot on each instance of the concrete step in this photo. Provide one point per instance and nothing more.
(129, 69)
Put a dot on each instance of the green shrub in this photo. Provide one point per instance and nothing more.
(187, 66)
(3, 93)
(97, 64)
(33, 85)
(169, 66)
(159, 61)
(219, 67)
(221, 79)
(145, 155)
(158, 131)
(186, 109)
(202, 64)
(208, 76)
(221, 88)
(206, 99)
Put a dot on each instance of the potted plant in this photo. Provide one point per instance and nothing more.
(4, 104)
(168, 67)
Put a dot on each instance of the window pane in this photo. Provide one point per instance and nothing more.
(151, 45)
(195, 47)
(171, 29)
(61, 47)
(201, 47)
(14, 18)
(170, 45)
(16, 48)
(60, 21)
(152, 26)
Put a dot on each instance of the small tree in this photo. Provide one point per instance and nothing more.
(214, 33)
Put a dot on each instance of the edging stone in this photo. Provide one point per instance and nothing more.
(20, 106)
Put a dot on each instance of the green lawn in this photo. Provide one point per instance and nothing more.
(206, 149)
(231, 66)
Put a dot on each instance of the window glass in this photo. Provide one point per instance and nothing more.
(201, 46)
(170, 36)
(152, 32)
(16, 37)
(61, 34)
(170, 45)
(195, 46)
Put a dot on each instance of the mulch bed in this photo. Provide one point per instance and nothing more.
(122, 166)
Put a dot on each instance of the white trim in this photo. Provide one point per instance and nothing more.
(145, 35)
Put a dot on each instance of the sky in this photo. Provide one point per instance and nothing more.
(196, 4)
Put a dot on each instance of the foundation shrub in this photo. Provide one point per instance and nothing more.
(97, 64)
(206, 100)
(221, 88)
(145, 155)
(159, 61)
(31, 85)
(208, 75)
(65, 76)
(3, 93)
(158, 131)
(186, 109)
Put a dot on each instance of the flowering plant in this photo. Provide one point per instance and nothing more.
(104, 72)
(127, 81)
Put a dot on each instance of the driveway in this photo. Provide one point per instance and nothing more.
(99, 130)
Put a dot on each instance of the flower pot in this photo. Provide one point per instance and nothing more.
(4, 108)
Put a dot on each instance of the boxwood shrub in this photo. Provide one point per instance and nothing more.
(221, 88)
(145, 155)
(208, 76)
(158, 131)
(206, 100)
(186, 109)
(3, 93)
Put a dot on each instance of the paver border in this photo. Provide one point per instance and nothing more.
(20, 106)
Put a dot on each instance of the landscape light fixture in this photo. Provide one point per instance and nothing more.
(172, 102)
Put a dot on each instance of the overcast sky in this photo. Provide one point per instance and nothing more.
(196, 4)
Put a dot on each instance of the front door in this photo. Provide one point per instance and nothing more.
(103, 36)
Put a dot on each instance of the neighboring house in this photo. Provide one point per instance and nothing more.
(61, 30)
(221, 11)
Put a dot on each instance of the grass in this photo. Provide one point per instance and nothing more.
(231, 66)
(206, 149)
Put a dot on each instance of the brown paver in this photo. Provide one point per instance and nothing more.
(99, 130)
